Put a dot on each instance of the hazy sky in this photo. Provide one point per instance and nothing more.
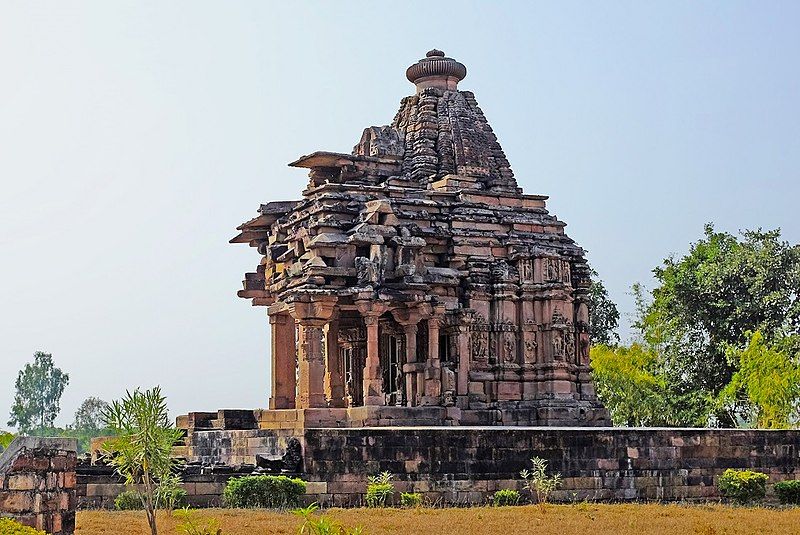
(135, 137)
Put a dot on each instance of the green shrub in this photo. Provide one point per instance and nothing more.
(12, 527)
(788, 492)
(169, 494)
(322, 525)
(5, 439)
(505, 497)
(537, 481)
(410, 499)
(263, 491)
(380, 490)
(743, 486)
(188, 524)
(129, 500)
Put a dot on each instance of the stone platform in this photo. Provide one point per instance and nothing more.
(460, 465)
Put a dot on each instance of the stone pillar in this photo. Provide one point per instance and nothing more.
(409, 369)
(464, 357)
(311, 356)
(373, 382)
(311, 313)
(334, 376)
(433, 367)
(284, 362)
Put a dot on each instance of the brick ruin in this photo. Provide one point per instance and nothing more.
(37, 483)
(415, 284)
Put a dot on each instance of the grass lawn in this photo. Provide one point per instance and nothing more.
(584, 519)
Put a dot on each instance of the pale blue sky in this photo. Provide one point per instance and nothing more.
(135, 136)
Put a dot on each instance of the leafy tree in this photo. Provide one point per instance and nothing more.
(765, 391)
(141, 450)
(603, 314)
(39, 387)
(630, 384)
(89, 416)
(708, 300)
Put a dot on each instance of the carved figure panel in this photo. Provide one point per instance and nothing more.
(509, 347)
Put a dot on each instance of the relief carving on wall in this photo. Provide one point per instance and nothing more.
(509, 347)
(525, 267)
(558, 344)
(530, 349)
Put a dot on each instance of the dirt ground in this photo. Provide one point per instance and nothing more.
(584, 519)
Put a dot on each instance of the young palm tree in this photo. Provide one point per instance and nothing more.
(141, 450)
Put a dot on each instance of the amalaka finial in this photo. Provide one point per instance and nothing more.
(436, 70)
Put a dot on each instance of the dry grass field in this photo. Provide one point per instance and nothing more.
(584, 519)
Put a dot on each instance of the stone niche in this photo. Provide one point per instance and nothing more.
(414, 283)
(37, 483)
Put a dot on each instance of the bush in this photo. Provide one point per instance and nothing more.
(537, 481)
(505, 497)
(263, 491)
(5, 439)
(380, 490)
(129, 500)
(743, 486)
(322, 525)
(12, 527)
(410, 499)
(169, 494)
(188, 524)
(788, 492)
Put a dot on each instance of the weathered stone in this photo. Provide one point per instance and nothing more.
(424, 217)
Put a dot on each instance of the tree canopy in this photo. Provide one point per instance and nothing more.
(603, 314)
(720, 332)
(38, 395)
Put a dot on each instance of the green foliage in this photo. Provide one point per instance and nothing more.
(89, 416)
(5, 439)
(410, 499)
(537, 481)
(505, 497)
(743, 486)
(321, 525)
(263, 491)
(141, 450)
(708, 300)
(169, 493)
(767, 383)
(629, 382)
(12, 527)
(129, 500)
(380, 490)
(39, 387)
(788, 492)
(190, 525)
(603, 314)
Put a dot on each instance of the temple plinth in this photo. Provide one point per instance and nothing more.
(415, 284)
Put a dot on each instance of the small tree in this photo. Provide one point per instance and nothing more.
(89, 416)
(141, 450)
(537, 480)
(39, 387)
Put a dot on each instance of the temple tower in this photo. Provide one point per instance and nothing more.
(415, 284)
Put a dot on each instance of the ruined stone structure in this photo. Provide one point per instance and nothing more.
(37, 483)
(414, 283)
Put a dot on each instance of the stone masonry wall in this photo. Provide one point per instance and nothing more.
(466, 465)
(37, 483)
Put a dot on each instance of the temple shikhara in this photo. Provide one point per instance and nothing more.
(413, 283)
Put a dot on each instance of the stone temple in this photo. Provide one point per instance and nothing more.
(415, 284)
